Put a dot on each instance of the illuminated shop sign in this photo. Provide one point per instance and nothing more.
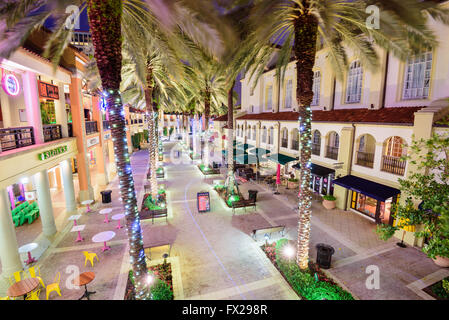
(10, 84)
(47, 90)
(51, 153)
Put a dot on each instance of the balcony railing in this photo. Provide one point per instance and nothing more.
(91, 127)
(106, 125)
(393, 165)
(284, 143)
(14, 138)
(52, 132)
(140, 121)
(332, 152)
(365, 159)
(295, 145)
(316, 149)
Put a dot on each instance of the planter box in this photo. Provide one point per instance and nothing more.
(210, 171)
(146, 214)
(329, 205)
(158, 174)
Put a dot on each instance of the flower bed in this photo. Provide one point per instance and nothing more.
(311, 284)
(237, 199)
(160, 173)
(162, 288)
(208, 170)
(151, 208)
(439, 290)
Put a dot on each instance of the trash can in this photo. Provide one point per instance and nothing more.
(106, 196)
(252, 195)
(324, 255)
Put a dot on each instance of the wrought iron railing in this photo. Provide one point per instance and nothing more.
(91, 127)
(332, 152)
(393, 165)
(51, 132)
(15, 138)
(365, 159)
(316, 149)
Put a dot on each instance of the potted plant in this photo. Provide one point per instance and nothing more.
(329, 202)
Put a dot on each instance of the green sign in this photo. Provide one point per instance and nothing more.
(51, 153)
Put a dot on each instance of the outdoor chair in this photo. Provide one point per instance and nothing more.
(90, 256)
(33, 274)
(54, 286)
(34, 295)
(17, 276)
(5, 298)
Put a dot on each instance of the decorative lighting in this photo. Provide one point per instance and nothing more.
(288, 251)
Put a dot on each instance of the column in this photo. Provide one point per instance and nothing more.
(61, 114)
(9, 251)
(79, 131)
(276, 127)
(42, 186)
(67, 181)
(344, 155)
(102, 174)
(33, 109)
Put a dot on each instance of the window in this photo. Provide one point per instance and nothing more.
(394, 147)
(288, 94)
(316, 143)
(417, 77)
(284, 141)
(269, 97)
(316, 88)
(362, 144)
(254, 132)
(270, 137)
(264, 135)
(248, 132)
(354, 87)
(295, 139)
(251, 109)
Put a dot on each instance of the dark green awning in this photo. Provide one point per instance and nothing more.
(259, 151)
(281, 158)
(248, 159)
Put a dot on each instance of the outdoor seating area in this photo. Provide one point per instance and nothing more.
(25, 212)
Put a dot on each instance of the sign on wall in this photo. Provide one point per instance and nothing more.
(92, 141)
(10, 84)
(51, 153)
(47, 90)
(203, 201)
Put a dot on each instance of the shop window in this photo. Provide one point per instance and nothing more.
(48, 113)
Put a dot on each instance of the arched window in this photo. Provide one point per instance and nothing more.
(295, 139)
(264, 134)
(269, 97)
(248, 132)
(316, 88)
(354, 85)
(394, 149)
(270, 137)
(254, 133)
(332, 145)
(288, 94)
(316, 143)
(365, 150)
(284, 141)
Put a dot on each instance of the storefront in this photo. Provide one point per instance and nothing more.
(372, 199)
(322, 179)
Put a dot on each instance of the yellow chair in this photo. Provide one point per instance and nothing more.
(32, 271)
(17, 277)
(90, 256)
(54, 286)
(34, 295)
(5, 298)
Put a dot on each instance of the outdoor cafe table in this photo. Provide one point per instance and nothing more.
(83, 280)
(27, 248)
(106, 212)
(103, 237)
(87, 203)
(78, 229)
(117, 217)
(22, 288)
(74, 218)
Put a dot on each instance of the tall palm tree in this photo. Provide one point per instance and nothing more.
(295, 29)
(18, 19)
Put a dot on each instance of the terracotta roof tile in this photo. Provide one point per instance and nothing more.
(221, 118)
(402, 115)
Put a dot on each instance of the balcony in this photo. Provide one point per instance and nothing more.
(91, 127)
(52, 132)
(394, 165)
(15, 138)
(365, 159)
(106, 125)
(284, 143)
(295, 145)
(332, 152)
(316, 148)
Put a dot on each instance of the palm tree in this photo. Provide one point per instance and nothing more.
(20, 17)
(295, 29)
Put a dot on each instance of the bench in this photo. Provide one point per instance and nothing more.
(158, 214)
(243, 204)
(268, 231)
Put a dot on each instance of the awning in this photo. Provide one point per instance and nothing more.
(244, 148)
(237, 152)
(371, 189)
(316, 169)
(281, 158)
(247, 159)
(259, 151)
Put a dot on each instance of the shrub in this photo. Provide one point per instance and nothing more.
(293, 180)
(329, 198)
(161, 291)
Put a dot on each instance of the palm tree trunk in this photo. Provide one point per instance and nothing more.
(105, 26)
(206, 125)
(306, 27)
(230, 181)
(151, 132)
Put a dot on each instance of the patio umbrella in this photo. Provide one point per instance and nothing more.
(278, 178)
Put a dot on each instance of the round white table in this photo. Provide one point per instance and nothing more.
(106, 212)
(87, 203)
(27, 248)
(74, 218)
(78, 229)
(117, 217)
(103, 237)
